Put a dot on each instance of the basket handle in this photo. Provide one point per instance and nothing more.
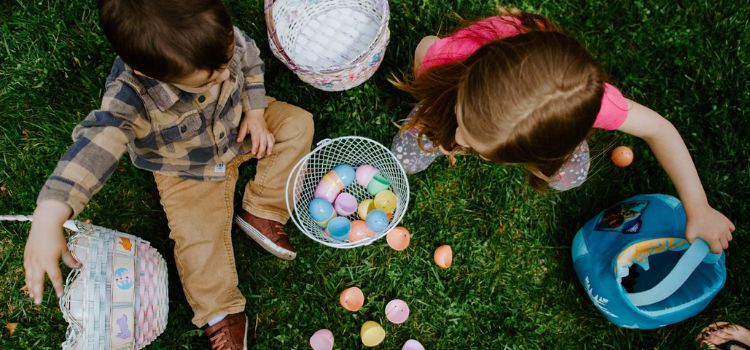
(688, 262)
(69, 224)
(268, 11)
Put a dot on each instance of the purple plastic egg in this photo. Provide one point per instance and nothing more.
(322, 340)
(364, 174)
(345, 204)
(412, 344)
(397, 311)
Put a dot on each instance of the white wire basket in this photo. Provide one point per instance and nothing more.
(332, 45)
(355, 151)
(118, 299)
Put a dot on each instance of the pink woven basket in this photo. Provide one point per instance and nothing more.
(333, 45)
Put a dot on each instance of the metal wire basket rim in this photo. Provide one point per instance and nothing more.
(297, 167)
(268, 9)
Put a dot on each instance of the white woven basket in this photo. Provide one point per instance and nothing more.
(352, 150)
(118, 299)
(332, 45)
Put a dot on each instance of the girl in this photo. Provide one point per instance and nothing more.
(514, 89)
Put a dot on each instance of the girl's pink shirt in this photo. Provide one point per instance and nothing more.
(465, 42)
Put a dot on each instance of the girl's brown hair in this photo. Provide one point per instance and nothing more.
(528, 99)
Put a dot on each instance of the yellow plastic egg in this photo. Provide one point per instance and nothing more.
(398, 238)
(352, 299)
(386, 201)
(372, 333)
(365, 207)
(443, 256)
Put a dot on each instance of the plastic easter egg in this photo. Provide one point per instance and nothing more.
(397, 311)
(377, 220)
(412, 344)
(386, 201)
(398, 238)
(346, 173)
(322, 340)
(622, 156)
(321, 211)
(443, 256)
(377, 184)
(338, 228)
(352, 299)
(372, 333)
(329, 187)
(359, 231)
(365, 207)
(364, 174)
(345, 204)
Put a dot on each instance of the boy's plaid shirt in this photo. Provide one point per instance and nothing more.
(164, 129)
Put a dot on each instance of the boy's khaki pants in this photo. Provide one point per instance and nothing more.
(200, 213)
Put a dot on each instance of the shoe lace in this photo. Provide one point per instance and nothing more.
(219, 341)
(278, 229)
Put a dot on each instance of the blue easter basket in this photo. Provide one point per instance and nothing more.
(639, 270)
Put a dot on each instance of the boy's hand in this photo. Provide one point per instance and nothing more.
(44, 248)
(710, 225)
(262, 139)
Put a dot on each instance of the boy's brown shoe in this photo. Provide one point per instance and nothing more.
(268, 233)
(230, 333)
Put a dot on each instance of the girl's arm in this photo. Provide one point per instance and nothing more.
(702, 220)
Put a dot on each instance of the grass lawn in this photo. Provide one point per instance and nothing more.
(512, 285)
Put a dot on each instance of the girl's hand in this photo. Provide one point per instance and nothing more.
(710, 225)
(262, 139)
(44, 248)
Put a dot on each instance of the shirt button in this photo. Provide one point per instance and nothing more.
(221, 136)
(201, 98)
(183, 128)
(224, 150)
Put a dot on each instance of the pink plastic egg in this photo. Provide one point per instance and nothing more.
(412, 344)
(364, 174)
(398, 238)
(322, 340)
(397, 311)
(352, 299)
(359, 231)
(443, 256)
(329, 187)
(345, 204)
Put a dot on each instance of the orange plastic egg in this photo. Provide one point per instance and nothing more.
(443, 256)
(352, 299)
(398, 238)
(359, 231)
(622, 156)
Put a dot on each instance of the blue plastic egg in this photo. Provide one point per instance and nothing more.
(338, 228)
(346, 173)
(377, 220)
(321, 211)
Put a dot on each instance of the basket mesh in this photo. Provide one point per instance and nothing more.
(350, 150)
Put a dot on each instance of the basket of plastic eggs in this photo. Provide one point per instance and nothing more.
(347, 192)
(332, 45)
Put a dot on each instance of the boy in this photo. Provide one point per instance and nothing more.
(182, 97)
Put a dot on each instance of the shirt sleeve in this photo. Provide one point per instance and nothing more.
(613, 111)
(98, 143)
(253, 70)
(463, 43)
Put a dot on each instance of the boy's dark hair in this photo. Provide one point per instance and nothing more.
(168, 39)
